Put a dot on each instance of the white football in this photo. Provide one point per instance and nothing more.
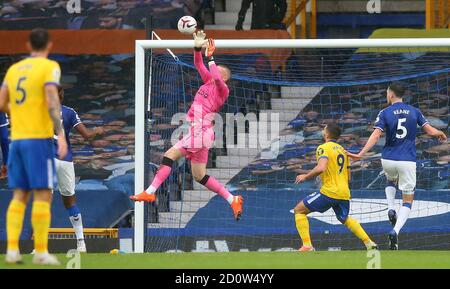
(187, 25)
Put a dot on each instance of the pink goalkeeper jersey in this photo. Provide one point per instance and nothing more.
(211, 96)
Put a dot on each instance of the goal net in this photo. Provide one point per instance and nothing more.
(282, 93)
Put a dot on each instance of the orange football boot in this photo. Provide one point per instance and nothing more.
(144, 197)
(236, 205)
(306, 249)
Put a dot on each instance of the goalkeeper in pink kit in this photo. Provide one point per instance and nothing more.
(195, 145)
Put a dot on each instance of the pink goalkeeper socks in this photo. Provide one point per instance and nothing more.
(162, 174)
(213, 185)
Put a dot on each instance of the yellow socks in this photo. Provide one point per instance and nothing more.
(14, 223)
(302, 224)
(356, 229)
(40, 220)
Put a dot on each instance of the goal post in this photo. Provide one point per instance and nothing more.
(141, 46)
(300, 43)
(139, 157)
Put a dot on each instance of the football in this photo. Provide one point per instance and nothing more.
(187, 25)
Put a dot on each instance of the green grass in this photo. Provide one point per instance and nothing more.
(255, 260)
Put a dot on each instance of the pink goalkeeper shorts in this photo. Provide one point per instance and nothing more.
(196, 143)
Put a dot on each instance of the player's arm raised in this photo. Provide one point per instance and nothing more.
(217, 77)
(317, 170)
(199, 42)
(431, 131)
(54, 109)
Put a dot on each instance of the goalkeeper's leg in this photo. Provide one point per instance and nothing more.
(199, 174)
(162, 174)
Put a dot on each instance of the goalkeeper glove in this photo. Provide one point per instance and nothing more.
(199, 39)
(210, 49)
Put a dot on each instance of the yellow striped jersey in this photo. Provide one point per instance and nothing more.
(335, 181)
(26, 81)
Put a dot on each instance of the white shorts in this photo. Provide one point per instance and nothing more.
(65, 173)
(402, 171)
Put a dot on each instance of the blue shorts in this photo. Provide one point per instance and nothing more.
(318, 202)
(31, 164)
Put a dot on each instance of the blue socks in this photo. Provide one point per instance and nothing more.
(73, 211)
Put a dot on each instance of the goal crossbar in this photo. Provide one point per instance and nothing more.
(301, 43)
(140, 113)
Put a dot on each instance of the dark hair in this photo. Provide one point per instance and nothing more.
(334, 130)
(397, 89)
(39, 39)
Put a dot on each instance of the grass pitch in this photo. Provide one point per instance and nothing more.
(253, 260)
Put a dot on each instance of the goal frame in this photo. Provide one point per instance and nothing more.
(140, 109)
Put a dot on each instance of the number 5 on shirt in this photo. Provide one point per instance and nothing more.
(401, 128)
(21, 90)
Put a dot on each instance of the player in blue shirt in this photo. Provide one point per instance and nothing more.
(4, 142)
(399, 121)
(65, 171)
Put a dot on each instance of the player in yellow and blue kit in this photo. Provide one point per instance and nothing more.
(29, 93)
(332, 166)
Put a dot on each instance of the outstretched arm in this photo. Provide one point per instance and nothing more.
(199, 40)
(431, 131)
(373, 139)
(217, 77)
(201, 68)
(88, 133)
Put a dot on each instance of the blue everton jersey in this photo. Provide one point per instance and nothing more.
(399, 121)
(70, 119)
